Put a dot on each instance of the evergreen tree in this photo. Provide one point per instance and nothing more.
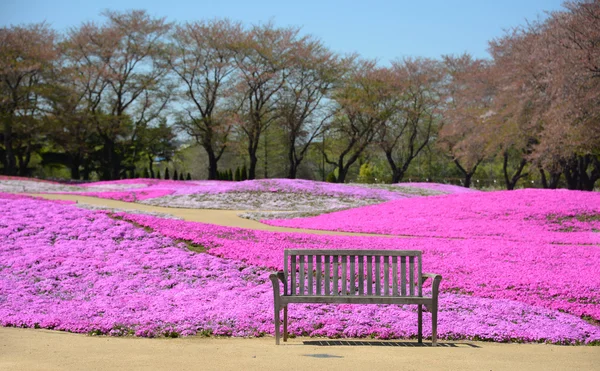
(229, 175)
(189, 177)
(181, 176)
(167, 176)
(157, 174)
(146, 173)
(238, 175)
(175, 175)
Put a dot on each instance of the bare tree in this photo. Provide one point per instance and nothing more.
(413, 124)
(25, 53)
(202, 57)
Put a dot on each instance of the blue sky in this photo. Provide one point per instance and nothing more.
(375, 29)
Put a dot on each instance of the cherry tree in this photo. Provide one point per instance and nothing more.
(202, 58)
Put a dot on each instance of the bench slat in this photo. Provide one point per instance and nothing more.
(319, 273)
(361, 276)
(293, 274)
(419, 275)
(403, 275)
(327, 275)
(301, 285)
(386, 278)
(344, 276)
(395, 275)
(335, 275)
(369, 275)
(411, 282)
(352, 275)
(377, 276)
(310, 275)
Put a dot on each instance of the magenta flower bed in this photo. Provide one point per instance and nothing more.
(560, 277)
(78, 270)
(530, 215)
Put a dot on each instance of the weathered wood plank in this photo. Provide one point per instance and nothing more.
(352, 276)
(377, 276)
(395, 275)
(403, 275)
(411, 280)
(356, 299)
(327, 275)
(335, 275)
(419, 274)
(319, 274)
(369, 275)
(344, 276)
(386, 278)
(361, 276)
(293, 273)
(310, 274)
(301, 275)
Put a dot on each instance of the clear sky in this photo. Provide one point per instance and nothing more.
(382, 29)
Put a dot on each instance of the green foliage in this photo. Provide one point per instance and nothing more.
(157, 174)
(238, 174)
(330, 178)
(181, 176)
(146, 173)
(189, 176)
(229, 175)
(175, 175)
(167, 176)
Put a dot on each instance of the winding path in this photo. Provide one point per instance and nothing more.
(226, 218)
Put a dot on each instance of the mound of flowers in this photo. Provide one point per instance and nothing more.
(531, 215)
(84, 271)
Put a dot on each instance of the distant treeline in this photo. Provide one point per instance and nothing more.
(113, 100)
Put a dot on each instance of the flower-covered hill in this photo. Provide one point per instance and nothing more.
(266, 194)
(83, 271)
(553, 216)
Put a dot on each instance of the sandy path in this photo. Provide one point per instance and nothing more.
(227, 218)
(29, 349)
(24, 349)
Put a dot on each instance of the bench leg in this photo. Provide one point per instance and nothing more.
(420, 324)
(434, 313)
(285, 323)
(277, 325)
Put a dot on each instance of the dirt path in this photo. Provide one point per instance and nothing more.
(28, 349)
(227, 218)
(25, 349)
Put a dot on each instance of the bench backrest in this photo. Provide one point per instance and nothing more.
(353, 272)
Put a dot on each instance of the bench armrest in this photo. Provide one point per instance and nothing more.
(435, 285)
(281, 277)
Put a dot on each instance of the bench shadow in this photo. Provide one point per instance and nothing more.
(408, 344)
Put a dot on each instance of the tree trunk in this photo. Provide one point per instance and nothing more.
(252, 168)
(9, 156)
(512, 181)
(74, 166)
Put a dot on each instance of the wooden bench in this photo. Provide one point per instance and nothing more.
(354, 276)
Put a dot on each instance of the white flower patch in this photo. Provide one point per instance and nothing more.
(278, 201)
(24, 186)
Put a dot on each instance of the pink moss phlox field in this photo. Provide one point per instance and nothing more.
(130, 195)
(532, 215)
(446, 188)
(14, 196)
(560, 277)
(78, 270)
